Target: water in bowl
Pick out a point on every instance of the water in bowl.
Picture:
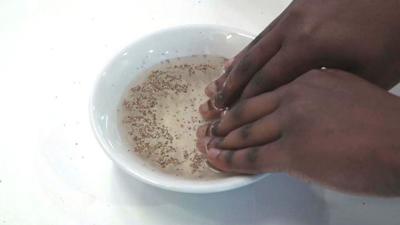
(159, 116)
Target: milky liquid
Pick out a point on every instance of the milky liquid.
(159, 116)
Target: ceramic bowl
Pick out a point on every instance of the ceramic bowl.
(126, 68)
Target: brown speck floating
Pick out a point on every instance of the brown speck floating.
(160, 115)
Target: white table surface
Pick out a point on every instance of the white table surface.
(52, 170)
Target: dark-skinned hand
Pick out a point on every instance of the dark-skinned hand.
(328, 126)
(359, 36)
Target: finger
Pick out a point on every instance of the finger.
(202, 144)
(252, 160)
(244, 51)
(212, 89)
(271, 26)
(208, 111)
(242, 72)
(216, 85)
(203, 130)
(245, 112)
(260, 132)
(242, 54)
(204, 136)
(228, 63)
(284, 67)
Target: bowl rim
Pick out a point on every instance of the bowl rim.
(203, 190)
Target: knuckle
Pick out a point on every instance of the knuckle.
(309, 35)
(228, 157)
(245, 131)
(252, 156)
(309, 31)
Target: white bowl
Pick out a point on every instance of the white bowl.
(126, 67)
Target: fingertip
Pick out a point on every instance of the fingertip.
(208, 111)
(202, 144)
(221, 80)
(206, 142)
(215, 142)
(228, 63)
(213, 153)
(211, 89)
(202, 131)
(199, 146)
(226, 95)
(219, 100)
(216, 161)
(205, 109)
(213, 168)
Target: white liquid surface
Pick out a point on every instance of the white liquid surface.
(159, 116)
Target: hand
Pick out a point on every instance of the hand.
(358, 36)
(327, 125)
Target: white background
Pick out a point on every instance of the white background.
(53, 172)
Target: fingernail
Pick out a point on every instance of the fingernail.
(214, 128)
(200, 147)
(208, 130)
(213, 153)
(202, 131)
(206, 142)
(211, 89)
(213, 168)
(205, 107)
(212, 106)
(215, 142)
(228, 63)
(219, 101)
(202, 144)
